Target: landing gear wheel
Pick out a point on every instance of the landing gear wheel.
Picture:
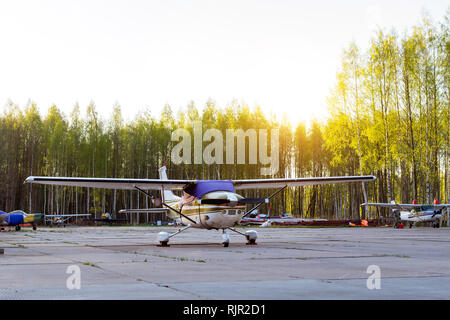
(17, 228)
(251, 236)
(34, 228)
(163, 238)
(225, 239)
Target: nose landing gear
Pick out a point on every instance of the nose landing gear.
(225, 239)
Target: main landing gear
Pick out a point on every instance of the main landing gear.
(163, 237)
(18, 228)
(250, 235)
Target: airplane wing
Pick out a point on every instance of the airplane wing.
(149, 210)
(407, 206)
(112, 183)
(385, 205)
(296, 182)
(157, 184)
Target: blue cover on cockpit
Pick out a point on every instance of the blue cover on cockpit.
(205, 186)
(14, 219)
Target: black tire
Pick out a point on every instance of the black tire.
(225, 244)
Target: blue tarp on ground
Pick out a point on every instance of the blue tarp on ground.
(205, 186)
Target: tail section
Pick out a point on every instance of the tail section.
(167, 195)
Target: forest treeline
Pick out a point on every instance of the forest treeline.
(388, 117)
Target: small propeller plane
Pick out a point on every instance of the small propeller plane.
(414, 213)
(206, 204)
(61, 219)
(106, 217)
(18, 218)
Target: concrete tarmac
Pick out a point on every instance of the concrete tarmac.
(287, 263)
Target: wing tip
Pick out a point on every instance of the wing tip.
(29, 180)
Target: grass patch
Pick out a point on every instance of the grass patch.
(179, 258)
(90, 264)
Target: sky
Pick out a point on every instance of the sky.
(281, 55)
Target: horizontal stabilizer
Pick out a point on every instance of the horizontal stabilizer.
(150, 210)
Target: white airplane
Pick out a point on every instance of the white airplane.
(206, 204)
(413, 213)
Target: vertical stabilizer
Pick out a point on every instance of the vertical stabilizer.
(167, 195)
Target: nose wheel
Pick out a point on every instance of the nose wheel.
(225, 239)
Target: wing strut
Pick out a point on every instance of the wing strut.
(266, 200)
(166, 205)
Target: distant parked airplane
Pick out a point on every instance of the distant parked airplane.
(18, 217)
(413, 213)
(60, 219)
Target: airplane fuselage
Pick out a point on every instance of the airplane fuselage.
(211, 216)
(17, 218)
(421, 216)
